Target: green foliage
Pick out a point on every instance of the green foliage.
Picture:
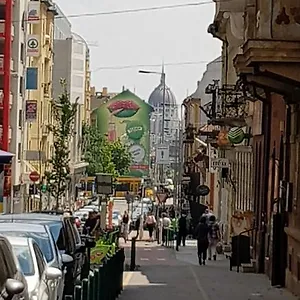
(104, 156)
(62, 129)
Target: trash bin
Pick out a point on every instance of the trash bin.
(240, 253)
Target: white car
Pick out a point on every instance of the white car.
(42, 281)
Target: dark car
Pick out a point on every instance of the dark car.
(64, 234)
(13, 284)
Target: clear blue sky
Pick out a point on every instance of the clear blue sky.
(145, 38)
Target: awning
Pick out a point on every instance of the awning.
(5, 157)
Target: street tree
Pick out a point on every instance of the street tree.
(62, 128)
(104, 156)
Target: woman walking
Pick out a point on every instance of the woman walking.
(150, 225)
(124, 226)
(201, 233)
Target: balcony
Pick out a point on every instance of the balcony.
(2, 64)
(270, 55)
(2, 30)
(2, 98)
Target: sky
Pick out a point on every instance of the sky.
(145, 38)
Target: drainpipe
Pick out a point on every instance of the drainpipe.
(7, 73)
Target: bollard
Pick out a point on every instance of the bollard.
(77, 292)
(97, 285)
(85, 289)
(92, 289)
(122, 268)
(101, 283)
(133, 254)
(104, 281)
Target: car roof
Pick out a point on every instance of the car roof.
(22, 227)
(19, 241)
(31, 216)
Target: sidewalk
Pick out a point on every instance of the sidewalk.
(166, 274)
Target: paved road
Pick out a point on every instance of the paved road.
(165, 274)
(120, 205)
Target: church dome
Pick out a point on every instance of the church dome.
(156, 97)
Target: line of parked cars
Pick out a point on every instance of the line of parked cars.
(42, 256)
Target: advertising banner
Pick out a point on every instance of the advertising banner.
(127, 117)
(33, 13)
(31, 111)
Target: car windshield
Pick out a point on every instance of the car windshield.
(24, 259)
(41, 238)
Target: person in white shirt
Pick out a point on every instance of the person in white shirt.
(166, 223)
(150, 224)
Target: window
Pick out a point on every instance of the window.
(78, 64)
(78, 47)
(77, 81)
(24, 259)
(22, 52)
(20, 118)
(40, 260)
(19, 151)
(21, 85)
(3, 268)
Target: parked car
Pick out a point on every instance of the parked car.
(13, 285)
(42, 280)
(42, 236)
(64, 235)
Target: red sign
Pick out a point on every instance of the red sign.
(162, 197)
(34, 176)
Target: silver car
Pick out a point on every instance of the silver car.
(42, 280)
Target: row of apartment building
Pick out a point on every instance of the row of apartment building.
(256, 90)
(37, 49)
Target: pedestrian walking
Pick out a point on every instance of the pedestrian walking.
(182, 231)
(201, 233)
(166, 222)
(213, 237)
(124, 225)
(150, 225)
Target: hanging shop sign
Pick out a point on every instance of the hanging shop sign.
(31, 111)
(33, 45)
(33, 13)
(236, 135)
(202, 190)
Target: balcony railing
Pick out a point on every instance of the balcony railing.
(2, 29)
(2, 64)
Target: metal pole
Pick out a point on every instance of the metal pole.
(163, 81)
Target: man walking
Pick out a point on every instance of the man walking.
(213, 237)
(201, 234)
(182, 231)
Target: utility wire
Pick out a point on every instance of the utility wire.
(126, 11)
(153, 65)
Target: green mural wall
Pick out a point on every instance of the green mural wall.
(127, 117)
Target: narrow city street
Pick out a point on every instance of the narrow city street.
(165, 274)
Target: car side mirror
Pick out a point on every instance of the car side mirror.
(53, 273)
(14, 287)
(66, 259)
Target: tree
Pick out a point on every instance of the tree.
(62, 129)
(121, 157)
(104, 156)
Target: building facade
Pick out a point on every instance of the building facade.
(37, 140)
(71, 62)
(267, 65)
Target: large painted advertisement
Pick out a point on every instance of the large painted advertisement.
(127, 117)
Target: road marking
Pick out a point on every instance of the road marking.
(161, 249)
(147, 249)
(199, 286)
(144, 258)
(161, 259)
(127, 278)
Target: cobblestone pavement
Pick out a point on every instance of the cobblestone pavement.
(166, 274)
